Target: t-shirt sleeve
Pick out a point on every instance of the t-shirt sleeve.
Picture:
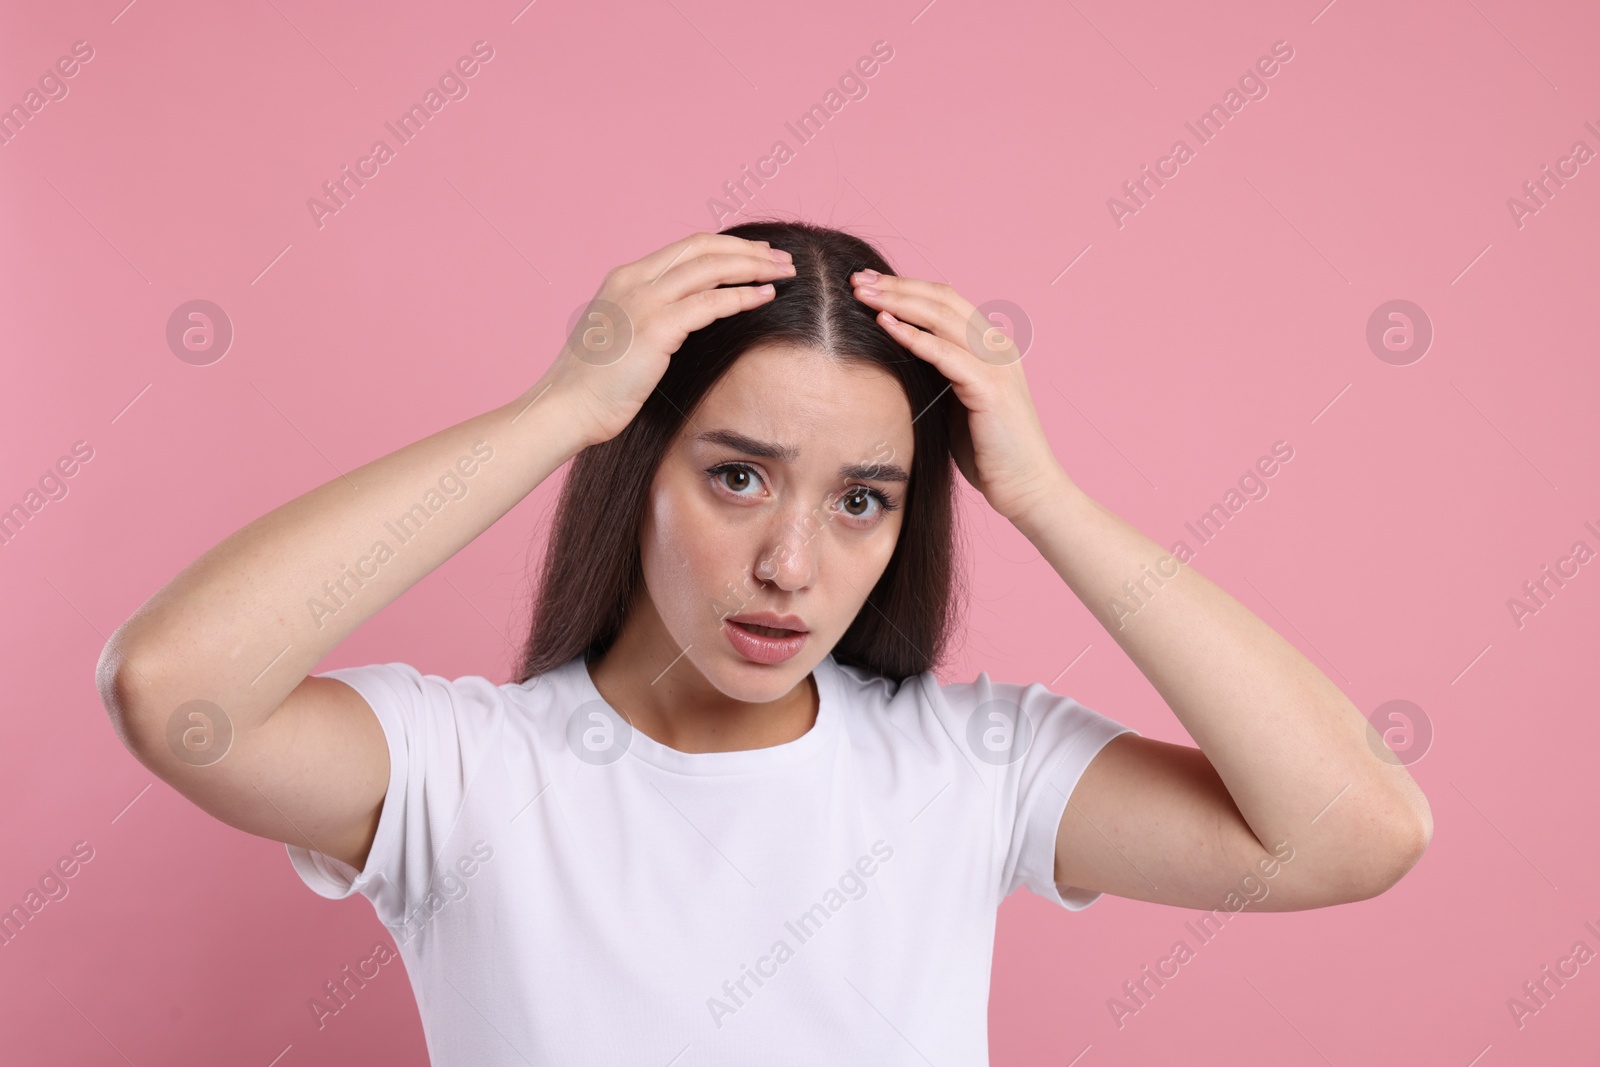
(1061, 737)
(418, 714)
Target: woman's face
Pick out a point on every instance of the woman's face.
(768, 501)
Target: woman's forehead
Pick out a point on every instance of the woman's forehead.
(791, 395)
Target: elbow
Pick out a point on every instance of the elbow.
(1413, 828)
(1405, 836)
(123, 688)
(112, 678)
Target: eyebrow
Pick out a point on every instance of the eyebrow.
(878, 472)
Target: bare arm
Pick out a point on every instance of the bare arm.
(1287, 770)
(226, 646)
(241, 627)
(1286, 762)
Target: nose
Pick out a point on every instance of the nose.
(788, 554)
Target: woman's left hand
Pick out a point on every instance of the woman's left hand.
(995, 434)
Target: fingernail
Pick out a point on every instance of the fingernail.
(782, 256)
(869, 275)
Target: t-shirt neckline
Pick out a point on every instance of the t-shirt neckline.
(742, 761)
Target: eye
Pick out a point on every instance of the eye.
(735, 477)
(743, 471)
(861, 496)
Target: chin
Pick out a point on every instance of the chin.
(754, 683)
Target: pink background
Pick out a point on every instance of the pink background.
(1230, 312)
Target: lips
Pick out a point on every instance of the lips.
(765, 638)
(766, 631)
(768, 624)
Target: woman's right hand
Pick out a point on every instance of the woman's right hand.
(640, 316)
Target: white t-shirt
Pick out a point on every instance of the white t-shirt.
(564, 889)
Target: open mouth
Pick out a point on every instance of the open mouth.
(764, 644)
(766, 631)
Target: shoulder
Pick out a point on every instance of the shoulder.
(400, 691)
(920, 706)
(1003, 724)
(867, 691)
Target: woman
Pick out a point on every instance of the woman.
(728, 814)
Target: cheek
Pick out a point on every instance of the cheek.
(877, 561)
(880, 546)
(688, 559)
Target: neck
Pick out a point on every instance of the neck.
(680, 708)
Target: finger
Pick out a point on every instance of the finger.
(930, 314)
(706, 306)
(709, 270)
(951, 360)
(937, 292)
(657, 263)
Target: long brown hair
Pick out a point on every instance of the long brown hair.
(591, 572)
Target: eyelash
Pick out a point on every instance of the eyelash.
(885, 505)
